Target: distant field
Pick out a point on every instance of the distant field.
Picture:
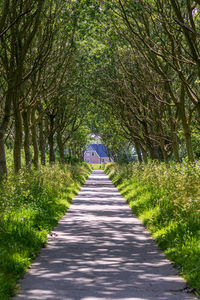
(97, 166)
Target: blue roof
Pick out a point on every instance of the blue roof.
(99, 148)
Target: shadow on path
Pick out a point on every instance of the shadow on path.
(100, 251)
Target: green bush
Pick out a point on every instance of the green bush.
(167, 200)
(30, 206)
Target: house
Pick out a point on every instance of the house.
(96, 154)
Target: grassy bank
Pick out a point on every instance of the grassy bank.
(167, 200)
(30, 206)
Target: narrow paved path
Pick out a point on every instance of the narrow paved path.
(100, 251)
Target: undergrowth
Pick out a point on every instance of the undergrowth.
(30, 206)
(167, 200)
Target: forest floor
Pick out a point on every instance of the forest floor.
(99, 250)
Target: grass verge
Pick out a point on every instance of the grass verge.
(167, 200)
(31, 204)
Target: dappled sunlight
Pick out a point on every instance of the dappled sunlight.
(100, 251)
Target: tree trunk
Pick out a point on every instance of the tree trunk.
(3, 168)
(186, 126)
(42, 143)
(149, 143)
(144, 155)
(188, 142)
(60, 148)
(173, 136)
(52, 157)
(34, 140)
(3, 127)
(175, 146)
(151, 153)
(137, 148)
(26, 123)
(164, 153)
(18, 139)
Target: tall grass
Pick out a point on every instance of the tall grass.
(167, 200)
(30, 206)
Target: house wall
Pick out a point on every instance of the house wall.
(95, 159)
(91, 159)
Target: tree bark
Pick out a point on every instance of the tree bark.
(60, 148)
(42, 143)
(175, 146)
(34, 140)
(151, 153)
(137, 148)
(187, 133)
(3, 168)
(164, 153)
(26, 123)
(144, 155)
(3, 127)
(52, 157)
(186, 125)
(173, 136)
(5, 121)
(18, 140)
